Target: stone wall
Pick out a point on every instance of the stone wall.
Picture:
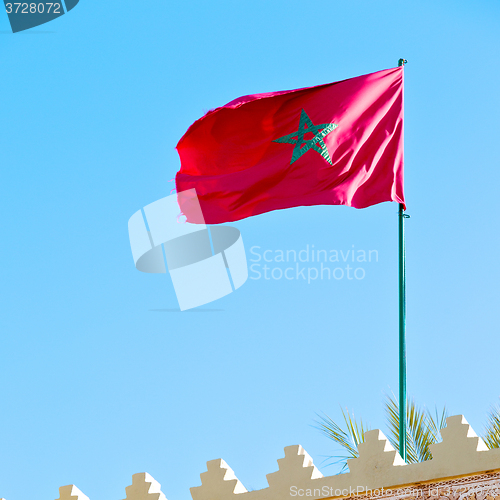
(462, 468)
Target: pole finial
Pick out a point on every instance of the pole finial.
(402, 62)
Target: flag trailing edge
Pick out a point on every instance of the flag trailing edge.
(339, 143)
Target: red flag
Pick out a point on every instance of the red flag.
(334, 144)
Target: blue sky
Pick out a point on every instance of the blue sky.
(96, 383)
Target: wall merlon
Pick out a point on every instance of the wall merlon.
(218, 482)
(297, 465)
(144, 487)
(71, 492)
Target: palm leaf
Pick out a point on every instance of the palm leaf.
(348, 439)
(492, 433)
(422, 429)
(438, 422)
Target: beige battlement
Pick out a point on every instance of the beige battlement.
(461, 453)
(143, 487)
(462, 468)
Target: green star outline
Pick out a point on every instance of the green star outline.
(303, 146)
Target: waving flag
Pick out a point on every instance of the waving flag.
(335, 144)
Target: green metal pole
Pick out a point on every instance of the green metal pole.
(402, 335)
(402, 326)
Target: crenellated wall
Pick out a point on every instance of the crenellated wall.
(462, 468)
(461, 453)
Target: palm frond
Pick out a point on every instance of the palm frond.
(492, 432)
(392, 413)
(422, 429)
(438, 421)
(348, 439)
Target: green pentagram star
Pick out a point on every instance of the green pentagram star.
(317, 143)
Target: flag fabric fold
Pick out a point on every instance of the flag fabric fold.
(335, 144)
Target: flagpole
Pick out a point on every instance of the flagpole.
(402, 334)
(402, 325)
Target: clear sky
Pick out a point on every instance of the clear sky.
(100, 379)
